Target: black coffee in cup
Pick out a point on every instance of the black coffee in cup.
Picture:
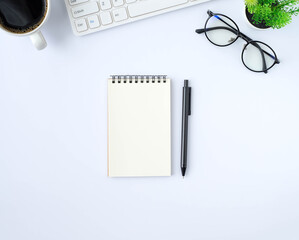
(22, 16)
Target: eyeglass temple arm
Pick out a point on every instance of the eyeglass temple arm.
(202, 30)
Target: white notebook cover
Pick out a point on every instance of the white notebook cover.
(139, 126)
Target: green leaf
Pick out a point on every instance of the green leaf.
(274, 13)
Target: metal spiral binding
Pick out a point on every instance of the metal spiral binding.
(139, 78)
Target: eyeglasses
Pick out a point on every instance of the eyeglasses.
(222, 31)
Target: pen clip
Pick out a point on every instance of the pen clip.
(189, 101)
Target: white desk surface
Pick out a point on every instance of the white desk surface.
(242, 180)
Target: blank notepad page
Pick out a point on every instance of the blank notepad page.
(139, 126)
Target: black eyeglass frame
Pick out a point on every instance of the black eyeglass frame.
(238, 35)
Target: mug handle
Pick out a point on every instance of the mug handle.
(38, 40)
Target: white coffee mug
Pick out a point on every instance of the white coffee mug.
(35, 34)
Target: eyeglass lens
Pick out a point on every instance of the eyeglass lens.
(221, 31)
(253, 55)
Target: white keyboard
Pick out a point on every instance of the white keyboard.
(88, 16)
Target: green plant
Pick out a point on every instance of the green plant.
(273, 13)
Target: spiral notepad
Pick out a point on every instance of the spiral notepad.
(139, 126)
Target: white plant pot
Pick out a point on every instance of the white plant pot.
(250, 24)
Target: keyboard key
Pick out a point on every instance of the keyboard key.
(74, 2)
(81, 25)
(117, 3)
(145, 7)
(130, 1)
(85, 9)
(105, 4)
(106, 18)
(93, 21)
(120, 14)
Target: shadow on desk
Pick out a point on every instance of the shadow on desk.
(58, 30)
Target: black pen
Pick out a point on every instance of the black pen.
(185, 114)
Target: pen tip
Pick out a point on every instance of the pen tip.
(183, 171)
